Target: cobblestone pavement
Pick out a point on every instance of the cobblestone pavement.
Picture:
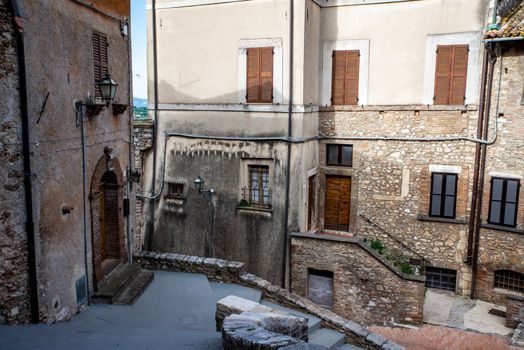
(443, 338)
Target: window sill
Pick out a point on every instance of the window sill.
(263, 211)
(502, 228)
(443, 220)
(510, 293)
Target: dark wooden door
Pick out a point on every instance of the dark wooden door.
(102, 223)
(311, 201)
(337, 203)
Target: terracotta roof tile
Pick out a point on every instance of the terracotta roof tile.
(512, 25)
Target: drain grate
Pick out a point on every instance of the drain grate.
(497, 312)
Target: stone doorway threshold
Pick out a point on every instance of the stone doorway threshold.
(445, 308)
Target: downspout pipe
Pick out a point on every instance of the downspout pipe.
(482, 166)
(30, 225)
(150, 229)
(286, 242)
(480, 124)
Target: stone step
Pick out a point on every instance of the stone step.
(222, 290)
(116, 283)
(350, 347)
(312, 321)
(135, 288)
(328, 338)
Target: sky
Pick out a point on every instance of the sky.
(139, 48)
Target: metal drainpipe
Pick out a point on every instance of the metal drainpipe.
(84, 199)
(30, 225)
(480, 187)
(474, 199)
(150, 230)
(285, 262)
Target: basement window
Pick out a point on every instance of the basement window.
(509, 280)
(440, 278)
(320, 287)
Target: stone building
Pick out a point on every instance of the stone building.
(65, 155)
(338, 124)
(500, 268)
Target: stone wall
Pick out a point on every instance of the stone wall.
(365, 288)
(143, 139)
(502, 248)
(234, 272)
(14, 291)
(514, 310)
(391, 179)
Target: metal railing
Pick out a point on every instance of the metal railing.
(260, 197)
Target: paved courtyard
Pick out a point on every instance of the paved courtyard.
(177, 311)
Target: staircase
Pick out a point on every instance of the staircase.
(325, 337)
(123, 286)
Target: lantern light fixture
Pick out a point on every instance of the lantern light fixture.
(107, 88)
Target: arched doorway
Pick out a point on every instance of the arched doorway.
(107, 220)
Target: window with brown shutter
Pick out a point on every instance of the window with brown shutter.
(344, 88)
(450, 74)
(259, 75)
(100, 58)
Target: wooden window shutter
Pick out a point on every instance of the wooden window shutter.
(100, 58)
(459, 74)
(259, 75)
(266, 75)
(352, 68)
(345, 75)
(450, 74)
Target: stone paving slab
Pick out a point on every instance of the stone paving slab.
(448, 309)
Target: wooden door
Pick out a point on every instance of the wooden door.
(311, 201)
(337, 203)
(102, 225)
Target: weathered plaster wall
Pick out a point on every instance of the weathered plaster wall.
(365, 291)
(501, 249)
(14, 293)
(60, 65)
(398, 62)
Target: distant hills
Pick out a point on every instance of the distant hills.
(139, 108)
(139, 102)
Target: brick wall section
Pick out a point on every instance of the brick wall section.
(514, 310)
(502, 249)
(234, 272)
(391, 180)
(365, 289)
(14, 291)
(143, 139)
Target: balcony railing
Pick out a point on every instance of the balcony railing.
(259, 197)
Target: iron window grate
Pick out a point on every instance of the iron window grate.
(510, 280)
(441, 278)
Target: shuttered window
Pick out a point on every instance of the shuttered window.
(100, 58)
(450, 74)
(503, 203)
(443, 195)
(344, 88)
(259, 75)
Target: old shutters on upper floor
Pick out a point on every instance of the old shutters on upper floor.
(450, 74)
(100, 58)
(259, 75)
(337, 203)
(344, 87)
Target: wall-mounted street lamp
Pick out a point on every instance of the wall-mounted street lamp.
(199, 183)
(107, 89)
